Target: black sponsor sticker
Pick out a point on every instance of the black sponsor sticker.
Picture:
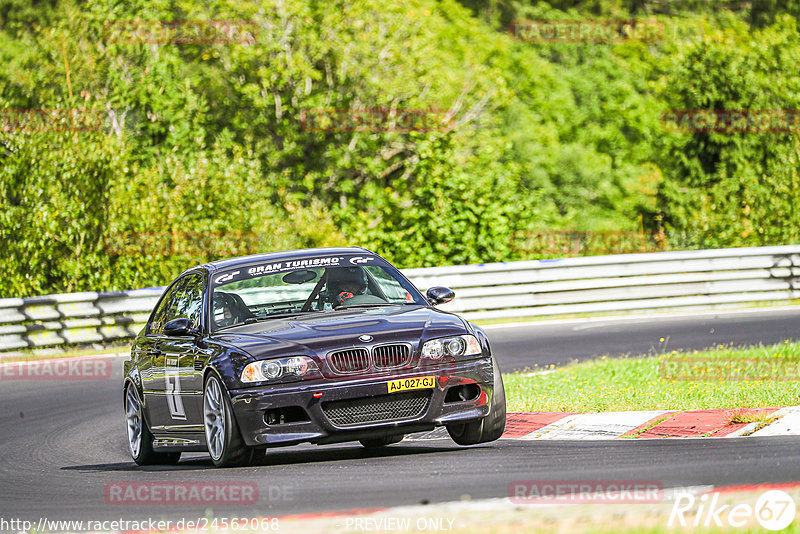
(280, 267)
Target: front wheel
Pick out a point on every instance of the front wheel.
(490, 427)
(140, 439)
(223, 439)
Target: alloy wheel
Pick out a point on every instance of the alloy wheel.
(214, 416)
(133, 417)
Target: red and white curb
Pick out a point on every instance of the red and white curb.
(722, 423)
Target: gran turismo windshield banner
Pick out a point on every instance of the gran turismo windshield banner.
(272, 267)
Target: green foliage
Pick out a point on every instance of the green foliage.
(201, 151)
(734, 188)
(55, 191)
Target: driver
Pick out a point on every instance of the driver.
(345, 283)
(225, 303)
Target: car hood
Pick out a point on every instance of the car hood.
(323, 332)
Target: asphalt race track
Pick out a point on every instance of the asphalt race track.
(62, 442)
(567, 341)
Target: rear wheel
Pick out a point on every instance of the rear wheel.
(140, 439)
(374, 443)
(223, 439)
(490, 427)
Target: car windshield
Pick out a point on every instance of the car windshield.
(241, 297)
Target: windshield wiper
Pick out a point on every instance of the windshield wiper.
(370, 305)
(252, 320)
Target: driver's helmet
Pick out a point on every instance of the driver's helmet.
(346, 282)
(225, 308)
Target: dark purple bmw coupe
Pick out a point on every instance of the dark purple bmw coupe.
(321, 346)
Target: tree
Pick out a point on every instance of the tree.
(734, 188)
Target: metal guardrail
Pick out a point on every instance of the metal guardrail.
(74, 318)
(627, 282)
(598, 284)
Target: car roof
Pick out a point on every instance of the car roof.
(308, 253)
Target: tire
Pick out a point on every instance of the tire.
(140, 439)
(490, 427)
(223, 439)
(375, 443)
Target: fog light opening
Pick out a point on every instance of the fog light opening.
(282, 416)
(464, 393)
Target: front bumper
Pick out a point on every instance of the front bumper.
(251, 405)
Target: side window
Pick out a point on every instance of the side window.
(188, 301)
(158, 322)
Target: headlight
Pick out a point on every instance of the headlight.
(436, 349)
(266, 370)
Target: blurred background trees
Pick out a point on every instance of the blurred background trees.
(200, 151)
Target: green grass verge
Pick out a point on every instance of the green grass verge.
(720, 378)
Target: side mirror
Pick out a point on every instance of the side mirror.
(440, 295)
(179, 327)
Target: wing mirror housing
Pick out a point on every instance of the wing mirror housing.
(179, 327)
(440, 295)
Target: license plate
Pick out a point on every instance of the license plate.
(419, 382)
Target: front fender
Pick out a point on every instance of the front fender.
(483, 339)
(228, 365)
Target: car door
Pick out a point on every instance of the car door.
(151, 358)
(182, 402)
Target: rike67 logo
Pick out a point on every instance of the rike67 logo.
(773, 510)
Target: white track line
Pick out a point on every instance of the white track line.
(745, 430)
(591, 426)
(787, 425)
